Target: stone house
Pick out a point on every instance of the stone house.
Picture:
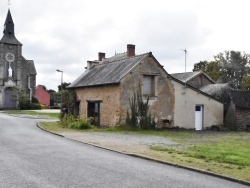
(238, 114)
(42, 95)
(15, 70)
(106, 87)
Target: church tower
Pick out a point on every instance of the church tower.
(16, 73)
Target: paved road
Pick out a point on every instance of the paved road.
(30, 157)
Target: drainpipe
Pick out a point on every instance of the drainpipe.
(29, 88)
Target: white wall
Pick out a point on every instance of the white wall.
(184, 109)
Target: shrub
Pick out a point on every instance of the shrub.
(69, 121)
(34, 100)
(35, 106)
(217, 128)
(140, 117)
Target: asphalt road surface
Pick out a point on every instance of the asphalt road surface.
(32, 158)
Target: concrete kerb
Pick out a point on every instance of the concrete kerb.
(244, 182)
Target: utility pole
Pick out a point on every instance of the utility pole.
(185, 58)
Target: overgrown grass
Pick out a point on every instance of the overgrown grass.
(230, 150)
(164, 133)
(36, 113)
(53, 127)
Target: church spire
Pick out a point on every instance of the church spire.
(9, 31)
(9, 25)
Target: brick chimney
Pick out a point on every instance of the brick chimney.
(130, 50)
(101, 56)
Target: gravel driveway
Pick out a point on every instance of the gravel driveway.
(122, 142)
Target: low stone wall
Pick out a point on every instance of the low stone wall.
(242, 118)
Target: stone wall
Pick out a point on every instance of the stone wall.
(230, 119)
(161, 107)
(110, 105)
(242, 118)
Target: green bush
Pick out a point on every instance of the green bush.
(69, 121)
(42, 106)
(25, 103)
(35, 106)
(34, 100)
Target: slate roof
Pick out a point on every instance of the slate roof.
(214, 89)
(109, 71)
(240, 98)
(187, 76)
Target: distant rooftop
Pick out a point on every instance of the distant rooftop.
(187, 76)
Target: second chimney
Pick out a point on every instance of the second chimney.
(130, 50)
(101, 56)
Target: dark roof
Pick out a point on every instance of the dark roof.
(214, 89)
(240, 98)
(109, 71)
(187, 76)
(9, 31)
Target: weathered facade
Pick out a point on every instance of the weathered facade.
(15, 70)
(195, 109)
(105, 89)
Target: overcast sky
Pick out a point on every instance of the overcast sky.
(64, 34)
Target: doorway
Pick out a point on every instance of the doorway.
(9, 102)
(198, 117)
(94, 112)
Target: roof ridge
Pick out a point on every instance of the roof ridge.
(108, 62)
(125, 58)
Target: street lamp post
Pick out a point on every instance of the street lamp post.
(61, 89)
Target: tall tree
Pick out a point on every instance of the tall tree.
(228, 67)
(202, 65)
(212, 69)
(233, 67)
(63, 86)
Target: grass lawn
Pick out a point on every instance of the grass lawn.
(35, 113)
(222, 153)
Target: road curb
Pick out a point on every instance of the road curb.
(244, 182)
(38, 125)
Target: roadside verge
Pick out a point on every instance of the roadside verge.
(116, 147)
